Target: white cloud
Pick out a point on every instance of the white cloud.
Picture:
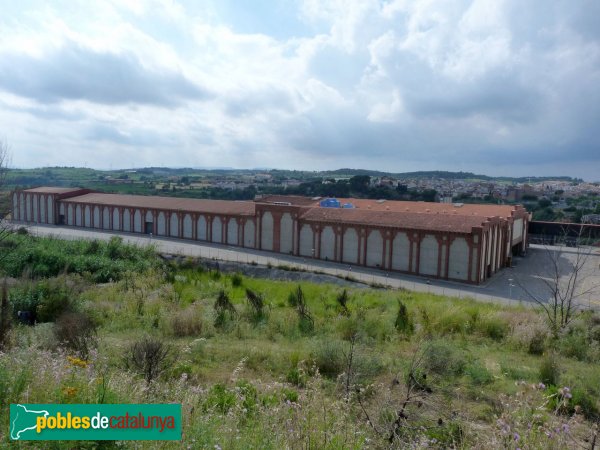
(388, 85)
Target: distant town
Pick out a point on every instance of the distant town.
(555, 199)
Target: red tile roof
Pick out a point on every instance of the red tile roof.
(408, 220)
(431, 208)
(52, 190)
(167, 203)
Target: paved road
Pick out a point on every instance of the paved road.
(508, 286)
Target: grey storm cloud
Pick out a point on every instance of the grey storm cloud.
(77, 73)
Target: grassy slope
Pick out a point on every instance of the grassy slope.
(253, 384)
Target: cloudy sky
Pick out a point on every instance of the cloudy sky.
(502, 87)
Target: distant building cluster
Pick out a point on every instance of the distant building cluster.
(453, 241)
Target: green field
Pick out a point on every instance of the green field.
(319, 369)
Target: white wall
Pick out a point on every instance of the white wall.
(517, 233)
(428, 259)
(161, 224)
(400, 252)
(350, 246)
(232, 232)
(105, 218)
(126, 220)
(458, 264)
(217, 230)
(187, 227)
(286, 233)
(43, 209)
(22, 207)
(474, 264)
(249, 231)
(328, 243)
(70, 215)
(78, 215)
(96, 217)
(306, 240)
(201, 231)
(174, 225)
(15, 204)
(137, 221)
(50, 204)
(116, 220)
(35, 208)
(266, 235)
(374, 249)
(28, 208)
(87, 216)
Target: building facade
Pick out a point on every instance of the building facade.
(461, 242)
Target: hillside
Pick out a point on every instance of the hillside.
(258, 363)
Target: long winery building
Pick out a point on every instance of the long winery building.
(461, 242)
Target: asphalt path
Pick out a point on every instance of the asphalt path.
(518, 284)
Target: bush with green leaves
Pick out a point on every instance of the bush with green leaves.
(296, 298)
(478, 374)
(256, 303)
(537, 342)
(45, 300)
(328, 356)
(224, 309)
(444, 358)
(404, 323)
(342, 300)
(549, 370)
(236, 280)
(44, 257)
(76, 331)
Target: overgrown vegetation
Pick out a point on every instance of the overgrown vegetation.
(369, 369)
(98, 261)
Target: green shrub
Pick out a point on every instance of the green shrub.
(224, 309)
(537, 343)
(329, 358)
(54, 303)
(447, 435)
(478, 374)
(296, 376)
(549, 370)
(404, 323)
(236, 280)
(350, 328)
(76, 331)
(220, 399)
(574, 345)
(297, 299)
(342, 300)
(256, 303)
(443, 358)
(102, 261)
(493, 328)
(248, 394)
(187, 322)
(290, 395)
(586, 403)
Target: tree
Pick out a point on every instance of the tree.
(360, 183)
(564, 279)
